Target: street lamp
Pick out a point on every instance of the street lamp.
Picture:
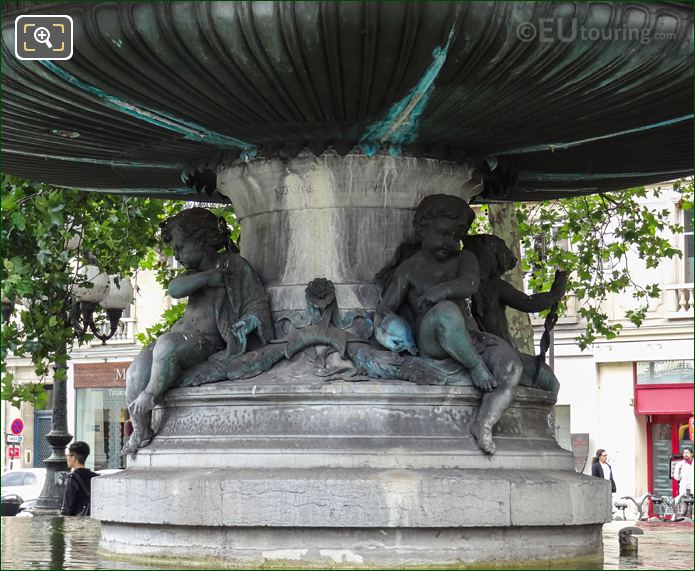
(112, 294)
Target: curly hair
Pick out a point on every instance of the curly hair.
(442, 205)
(430, 207)
(200, 223)
(494, 256)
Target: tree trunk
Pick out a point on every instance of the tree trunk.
(503, 223)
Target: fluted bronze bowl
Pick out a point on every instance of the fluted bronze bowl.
(545, 99)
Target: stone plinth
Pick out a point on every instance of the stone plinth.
(359, 474)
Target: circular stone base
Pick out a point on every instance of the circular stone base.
(335, 548)
(359, 474)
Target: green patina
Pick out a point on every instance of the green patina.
(187, 129)
(402, 120)
(567, 145)
(95, 161)
(530, 175)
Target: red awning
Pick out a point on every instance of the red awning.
(664, 399)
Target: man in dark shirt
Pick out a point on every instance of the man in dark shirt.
(77, 498)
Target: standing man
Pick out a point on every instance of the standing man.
(684, 474)
(602, 469)
(77, 499)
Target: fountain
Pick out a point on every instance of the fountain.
(325, 125)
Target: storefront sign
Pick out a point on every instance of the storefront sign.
(100, 375)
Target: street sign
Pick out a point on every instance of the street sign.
(14, 438)
(14, 451)
(17, 426)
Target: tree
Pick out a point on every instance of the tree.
(39, 271)
(591, 237)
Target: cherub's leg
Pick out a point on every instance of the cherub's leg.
(505, 364)
(137, 377)
(443, 334)
(173, 352)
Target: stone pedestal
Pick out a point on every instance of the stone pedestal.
(359, 474)
(292, 469)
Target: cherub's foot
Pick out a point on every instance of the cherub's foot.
(138, 439)
(144, 403)
(482, 377)
(483, 436)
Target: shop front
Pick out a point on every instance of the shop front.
(664, 393)
(100, 411)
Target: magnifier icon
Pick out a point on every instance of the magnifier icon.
(43, 36)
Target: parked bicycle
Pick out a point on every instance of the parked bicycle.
(639, 505)
(665, 508)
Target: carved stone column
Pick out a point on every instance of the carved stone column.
(336, 217)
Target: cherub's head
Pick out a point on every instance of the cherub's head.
(195, 232)
(494, 257)
(441, 221)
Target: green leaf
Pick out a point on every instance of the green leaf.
(37, 221)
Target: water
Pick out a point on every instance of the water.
(71, 543)
(663, 546)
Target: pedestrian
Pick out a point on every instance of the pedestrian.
(77, 498)
(602, 469)
(684, 474)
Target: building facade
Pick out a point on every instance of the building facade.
(633, 395)
(96, 388)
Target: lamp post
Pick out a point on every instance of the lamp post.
(113, 295)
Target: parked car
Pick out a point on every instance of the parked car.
(25, 484)
(18, 499)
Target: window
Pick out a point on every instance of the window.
(30, 479)
(664, 372)
(611, 262)
(540, 244)
(562, 426)
(100, 422)
(661, 455)
(688, 264)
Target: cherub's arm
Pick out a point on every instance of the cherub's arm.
(394, 296)
(190, 282)
(465, 284)
(512, 297)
